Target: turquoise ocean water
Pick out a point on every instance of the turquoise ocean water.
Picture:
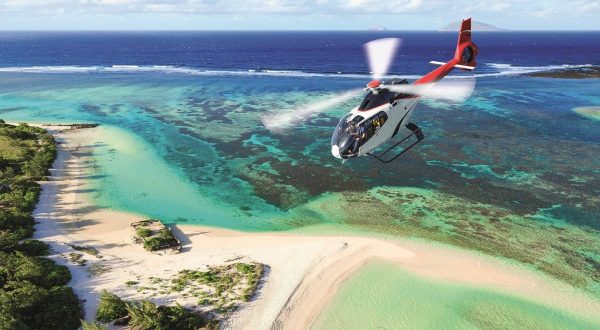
(192, 149)
(410, 302)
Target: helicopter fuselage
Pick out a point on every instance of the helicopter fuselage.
(383, 113)
(364, 129)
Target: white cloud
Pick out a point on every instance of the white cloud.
(370, 6)
(500, 6)
(587, 7)
(213, 6)
(400, 13)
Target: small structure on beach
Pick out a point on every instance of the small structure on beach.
(154, 235)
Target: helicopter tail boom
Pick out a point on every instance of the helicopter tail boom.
(464, 56)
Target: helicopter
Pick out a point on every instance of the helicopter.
(388, 105)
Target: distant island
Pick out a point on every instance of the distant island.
(475, 26)
(583, 72)
(377, 28)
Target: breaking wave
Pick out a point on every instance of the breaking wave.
(489, 70)
(503, 69)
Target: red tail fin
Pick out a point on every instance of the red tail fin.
(464, 57)
(466, 50)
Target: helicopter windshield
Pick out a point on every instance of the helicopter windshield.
(347, 135)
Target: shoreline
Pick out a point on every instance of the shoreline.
(303, 271)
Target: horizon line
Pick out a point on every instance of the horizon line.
(285, 30)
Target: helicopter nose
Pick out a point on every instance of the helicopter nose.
(335, 151)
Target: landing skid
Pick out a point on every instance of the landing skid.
(416, 131)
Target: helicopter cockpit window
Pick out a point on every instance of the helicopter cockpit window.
(372, 125)
(374, 100)
(382, 118)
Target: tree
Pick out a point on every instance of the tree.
(146, 315)
(39, 271)
(17, 222)
(34, 169)
(33, 248)
(60, 311)
(8, 240)
(24, 298)
(39, 308)
(33, 291)
(9, 321)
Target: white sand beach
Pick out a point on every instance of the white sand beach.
(303, 271)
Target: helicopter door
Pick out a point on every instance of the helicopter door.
(372, 125)
(379, 119)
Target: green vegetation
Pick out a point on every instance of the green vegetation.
(219, 289)
(33, 290)
(92, 326)
(155, 236)
(143, 232)
(111, 307)
(77, 258)
(34, 248)
(87, 249)
(152, 244)
(146, 315)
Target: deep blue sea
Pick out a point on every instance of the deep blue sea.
(300, 52)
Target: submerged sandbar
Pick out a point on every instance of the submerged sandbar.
(382, 295)
(591, 112)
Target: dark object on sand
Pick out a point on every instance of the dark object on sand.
(76, 125)
(154, 235)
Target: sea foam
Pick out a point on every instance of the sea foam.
(497, 69)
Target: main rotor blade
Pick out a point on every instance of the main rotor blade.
(454, 90)
(380, 54)
(287, 119)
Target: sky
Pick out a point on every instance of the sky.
(293, 14)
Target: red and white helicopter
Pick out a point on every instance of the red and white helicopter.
(388, 105)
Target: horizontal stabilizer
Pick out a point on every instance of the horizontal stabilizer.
(464, 56)
(437, 63)
(460, 66)
(466, 67)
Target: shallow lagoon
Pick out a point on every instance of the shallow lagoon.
(382, 296)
